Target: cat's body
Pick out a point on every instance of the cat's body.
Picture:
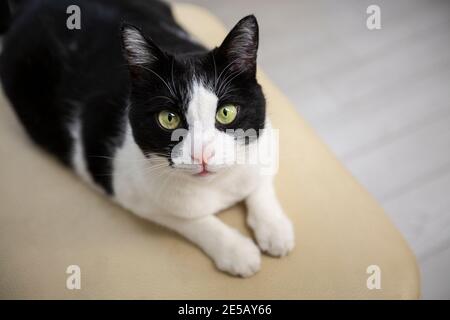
(107, 102)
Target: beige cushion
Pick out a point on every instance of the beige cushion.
(50, 220)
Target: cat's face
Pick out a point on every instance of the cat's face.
(199, 111)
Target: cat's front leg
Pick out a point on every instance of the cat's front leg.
(231, 251)
(273, 229)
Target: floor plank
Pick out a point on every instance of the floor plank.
(435, 274)
(359, 129)
(422, 216)
(399, 165)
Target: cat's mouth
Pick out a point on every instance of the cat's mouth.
(204, 170)
(204, 173)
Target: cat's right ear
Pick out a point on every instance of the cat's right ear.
(140, 52)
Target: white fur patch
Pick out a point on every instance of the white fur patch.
(203, 140)
(202, 108)
(78, 156)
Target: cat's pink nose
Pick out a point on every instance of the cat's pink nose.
(207, 154)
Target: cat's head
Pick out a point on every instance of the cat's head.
(197, 111)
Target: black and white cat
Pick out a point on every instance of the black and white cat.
(108, 100)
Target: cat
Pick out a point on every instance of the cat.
(107, 99)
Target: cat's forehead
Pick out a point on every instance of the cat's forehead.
(195, 69)
(202, 105)
(194, 82)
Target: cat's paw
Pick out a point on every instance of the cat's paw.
(238, 256)
(275, 235)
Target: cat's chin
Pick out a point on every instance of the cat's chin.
(201, 174)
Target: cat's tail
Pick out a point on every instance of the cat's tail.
(8, 10)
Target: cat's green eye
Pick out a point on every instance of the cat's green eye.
(226, 114)
(169, 120)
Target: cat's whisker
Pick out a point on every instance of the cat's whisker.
(125, 171)
(171, 74)
(154, 169)
(215, 70)
(166, 181)
(164, 172)
(228, 80)
(160, 78)
(171, 100)
(226, 68)
(159, 157)
(227, 93)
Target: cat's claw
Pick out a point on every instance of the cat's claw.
(274, 236)
(239, 256)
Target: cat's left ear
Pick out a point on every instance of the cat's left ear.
(240, 47)
(139, 51)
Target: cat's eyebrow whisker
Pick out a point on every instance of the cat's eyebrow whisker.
(160, 78)
(226, 68)
(227, 80)
(226, 94)
(171, 73)
(224, 84)
(162, 97)
(215, 70)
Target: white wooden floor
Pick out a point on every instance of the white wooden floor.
(380, 99)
